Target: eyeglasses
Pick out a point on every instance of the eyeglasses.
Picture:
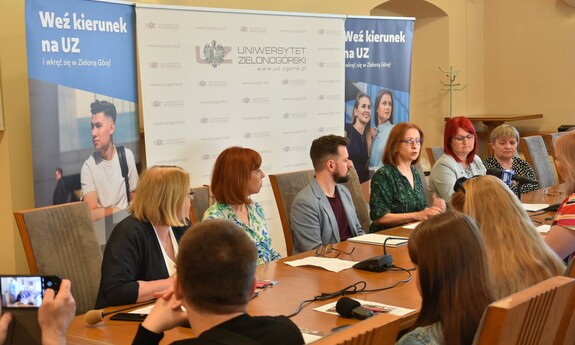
(324, 249)
(461, 137)
(412, 141)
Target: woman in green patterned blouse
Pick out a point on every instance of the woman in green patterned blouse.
(397, 195)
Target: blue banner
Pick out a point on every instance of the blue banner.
(85, 45)
(79, 53)
(378, 78)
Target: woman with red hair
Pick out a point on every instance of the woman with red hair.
(459, 158)
(236, 176)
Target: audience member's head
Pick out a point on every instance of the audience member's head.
(453, 275)
(163, 196)
(565, 153)
(216, 267)
(232, 173)
(395, 142)
(326, 148)
(459, 138)
(518, 256)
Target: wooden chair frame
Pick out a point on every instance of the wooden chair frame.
(380, 329)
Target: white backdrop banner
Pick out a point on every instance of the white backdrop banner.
(215, 79)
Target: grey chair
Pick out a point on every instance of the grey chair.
(286, 186)
(433, 154)
(554, 137)
(201, 201)
(427, 193)
(60, 240)
(537, 156)
(361, 207)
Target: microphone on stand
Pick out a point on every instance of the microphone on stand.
(93, 317)
(351, 308)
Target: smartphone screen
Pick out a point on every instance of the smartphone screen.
(26, 291)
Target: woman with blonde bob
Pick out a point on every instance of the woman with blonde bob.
(453, 277)
(140, 255)
(518, 256)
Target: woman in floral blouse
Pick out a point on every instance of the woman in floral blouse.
(397, 195)
(236, 176)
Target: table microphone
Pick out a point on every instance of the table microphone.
(93, 317)
(519, 178)
(351, 308)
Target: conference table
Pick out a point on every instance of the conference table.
(296, 284)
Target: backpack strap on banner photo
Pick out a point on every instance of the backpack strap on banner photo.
(124, 166)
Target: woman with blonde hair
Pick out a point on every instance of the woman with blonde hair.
(140, 255)
(453, 277)
(561, 237)
(518, 256)
(504, 140)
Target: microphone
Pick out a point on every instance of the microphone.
(380, 263)
(93, 317)
(351, 308)
(519, 178)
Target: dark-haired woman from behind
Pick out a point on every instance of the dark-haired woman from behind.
(453, 278)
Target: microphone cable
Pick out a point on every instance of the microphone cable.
(353, 289)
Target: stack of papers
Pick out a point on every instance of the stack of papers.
(379, 239)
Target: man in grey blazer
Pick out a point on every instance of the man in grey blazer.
(323, 212)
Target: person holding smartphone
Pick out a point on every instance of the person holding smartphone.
(54, 315)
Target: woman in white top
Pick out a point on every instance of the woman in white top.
(141, 253)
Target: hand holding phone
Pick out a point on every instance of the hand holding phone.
(25, 291)
(56, 313)
(21, 297)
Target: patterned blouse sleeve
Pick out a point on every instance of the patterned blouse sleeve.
(380, 195)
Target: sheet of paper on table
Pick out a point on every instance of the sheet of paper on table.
(309, 336)
(411, 226)
(330, 264)
(378, 239)
(534, 207)
(543, 229)
(144, 310)
(385, 308)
